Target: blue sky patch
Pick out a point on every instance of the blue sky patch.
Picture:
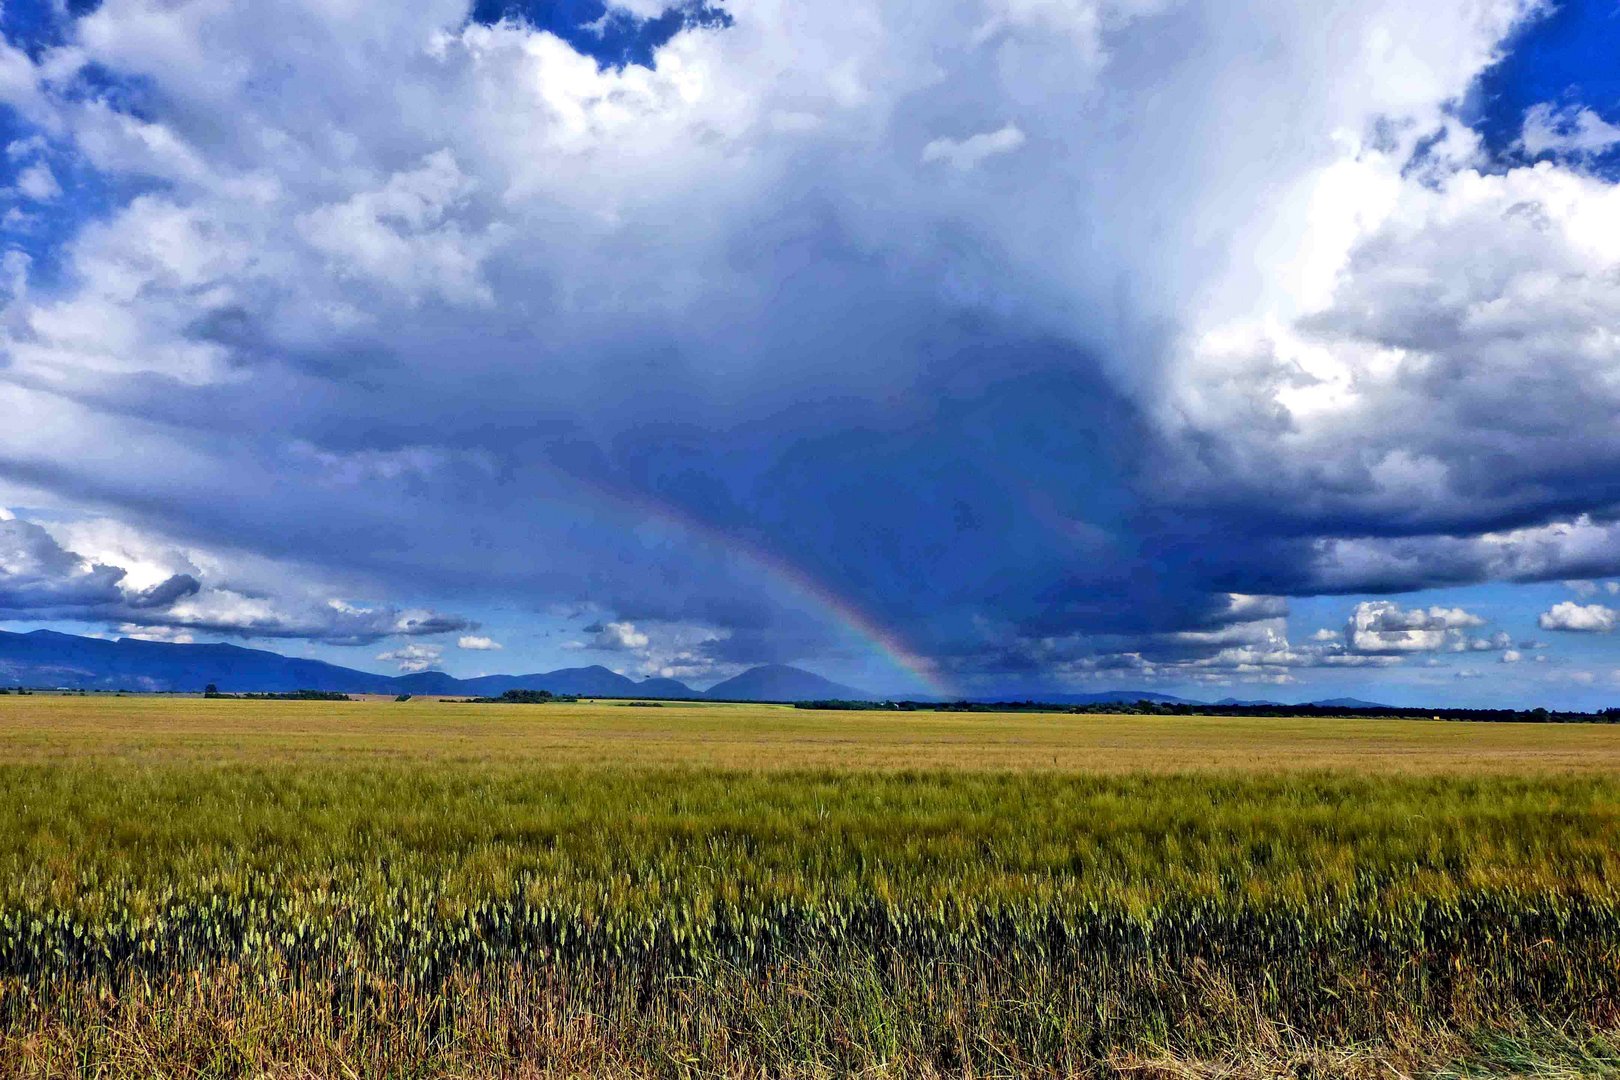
(612, 37)
(1568, 58)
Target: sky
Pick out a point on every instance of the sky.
(1223, 348)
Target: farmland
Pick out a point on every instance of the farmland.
(377, 888)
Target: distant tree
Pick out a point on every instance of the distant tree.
(295, 695)
(527, 697)
(521, 697)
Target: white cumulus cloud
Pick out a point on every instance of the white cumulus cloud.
(1383, 626)
(1579, 618)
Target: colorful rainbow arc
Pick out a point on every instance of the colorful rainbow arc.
(846, 614)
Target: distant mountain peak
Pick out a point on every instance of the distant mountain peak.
(1347, 703)
(782, 682)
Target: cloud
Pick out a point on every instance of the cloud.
(1256, 650)
(478, 644)
(166, 592)
(1378, 634)
(1356, 405)
(1570, 130)
(38, 576)
(226, 611)
(1579, 618)
(37, 182)
(615, 636)
(404, 235)
(160, 590)
(676, 649)
(1534, 553)
(966, 154)
(762, 369)
(413, 657)
(156, 633)
(1383, 626)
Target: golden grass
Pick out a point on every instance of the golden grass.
(167, 730)
(195, 887)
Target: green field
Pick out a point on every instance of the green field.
(206, 888)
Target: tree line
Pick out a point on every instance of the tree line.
(1164, 708)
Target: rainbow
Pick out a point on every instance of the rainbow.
(885, 642)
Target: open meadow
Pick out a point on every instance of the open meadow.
(239, 888)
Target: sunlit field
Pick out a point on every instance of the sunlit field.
(239, 888)
(171, 730)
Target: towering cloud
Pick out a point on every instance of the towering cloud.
(993, 334)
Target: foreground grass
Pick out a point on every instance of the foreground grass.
(309, 906)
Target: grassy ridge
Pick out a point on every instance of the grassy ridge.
(338, 911)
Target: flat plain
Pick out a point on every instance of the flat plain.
(201, 887)
(172, 730)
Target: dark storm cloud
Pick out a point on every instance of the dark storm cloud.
(37, 575)
(800, 331)
(165, 592)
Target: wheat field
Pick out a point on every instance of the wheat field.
(247, 888)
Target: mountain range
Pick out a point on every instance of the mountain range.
(46, 658)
